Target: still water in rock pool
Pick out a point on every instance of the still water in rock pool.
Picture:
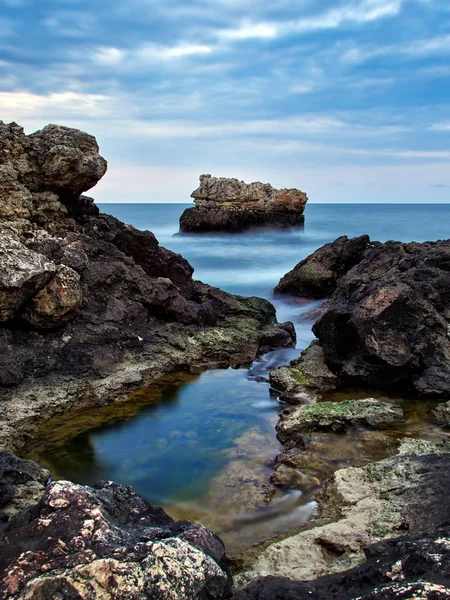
(203, 446)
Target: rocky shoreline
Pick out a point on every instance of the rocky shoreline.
(91, 309)
(223, 204)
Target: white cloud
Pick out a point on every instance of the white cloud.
(248, 31)
(108, 56)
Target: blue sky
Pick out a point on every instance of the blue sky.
(348, 100)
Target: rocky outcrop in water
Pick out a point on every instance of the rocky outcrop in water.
(223, 204)
(85, 543)
(317, 275)
(387, 321)
(90, 307)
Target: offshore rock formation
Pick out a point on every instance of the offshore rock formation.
(91, 308)
(83, 543)
(387, 321)
(223, 204)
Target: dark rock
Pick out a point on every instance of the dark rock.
(387, 323)
(231, 205)
(108, 542)
(22, 484)
(316, 276)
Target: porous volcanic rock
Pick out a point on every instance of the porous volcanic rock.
(316, 276)
(223, 204)
(107, 542)
(92, 308)
(387, 323)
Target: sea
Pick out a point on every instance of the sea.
(205, 447)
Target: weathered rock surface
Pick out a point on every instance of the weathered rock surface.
(441, 412)
(93, 308)
(308, 374)
(22, 484)
(336, 416)
(405, 493)
(107, 542)
(316, 276)
(223, 204)
(387, 323)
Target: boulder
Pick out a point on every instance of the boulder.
(22, 484)
(23, 273)
(107, 542)
(441, 412)
(336, 417)
(316, 276)
(223, 204)
(387, 323)
(56, 303)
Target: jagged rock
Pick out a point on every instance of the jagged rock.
(405, 493)
(316, 276)
(22, 484)
(22, 274)
(57, 302)
(107, 542)
(305, 375)
(336, 416)
(387, 323)
(223, 204)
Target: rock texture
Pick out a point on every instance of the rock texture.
(304, 377)
(90, 307)
(223, 204)
(107, 542)
(316, 276)
(408, 493)
(387, 323)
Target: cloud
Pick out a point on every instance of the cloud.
(249, 31)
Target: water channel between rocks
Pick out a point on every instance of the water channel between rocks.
(203, 446)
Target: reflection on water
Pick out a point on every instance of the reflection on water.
(204, 446)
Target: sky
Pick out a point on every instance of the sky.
(348, 100)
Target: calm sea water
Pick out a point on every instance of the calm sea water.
(206, 447)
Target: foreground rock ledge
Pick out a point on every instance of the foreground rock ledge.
(223, 204)
(92, 308)
(82, 543)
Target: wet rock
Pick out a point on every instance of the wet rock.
(337, 416)
(387, 322)
(404, 493)
(223, 204)
(307, 374)
(108, 542)
(442, 412)
(22, 484)
(316, 276)
(57, 302)
(22, 274)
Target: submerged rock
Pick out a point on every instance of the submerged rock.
(108, 542)
(223, 204)
(316, 276)
(93, 308)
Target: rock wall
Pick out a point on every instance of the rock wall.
(223, 204)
